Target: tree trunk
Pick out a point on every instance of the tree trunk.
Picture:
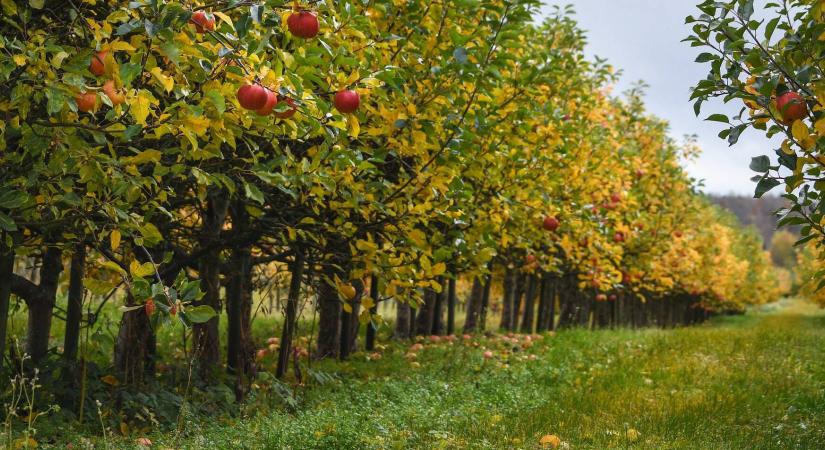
(451, 300)
(485, 300)
(40, 310)
(240, 350)
(473, 305)
(329, 318)
(438, 309)
(291, 316)
(350, 323)
(402, 320)
(529, 306)
(74, 309)
(372, 329)
(426, 313)
(542, 308)
(206, 335)
(6, 272)
(507, 301)
(135, 345)
(520, 280)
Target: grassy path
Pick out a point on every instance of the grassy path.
(753, 382)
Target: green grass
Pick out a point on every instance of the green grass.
(747, 382)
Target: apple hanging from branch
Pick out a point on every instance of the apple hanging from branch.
(303, 24)
(252, 96)
(347, 101)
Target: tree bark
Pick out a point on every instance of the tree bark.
(6, 275)
(473, 305)
(74, 309)
(520, 280)
(426, 313)
(529, 306)
(291, 316)
(485, 301)
(206, 335)
(372, 329)
(329, 319)
(451, 300)
(509, 286)
(438, 309)
(240, 350)
(402, 320)
(40, 310)
(134, 347)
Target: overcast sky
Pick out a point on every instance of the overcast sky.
(642, 38)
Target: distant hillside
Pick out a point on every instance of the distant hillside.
(753, 211)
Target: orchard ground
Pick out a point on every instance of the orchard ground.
(741, 382)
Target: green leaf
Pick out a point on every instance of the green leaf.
(718, 118)
(760, 164)
(7, 223)
(37, 4)
(764, 186)
(253, 193)
(200, 314)
(151, 234)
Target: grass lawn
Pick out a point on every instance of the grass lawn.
(747, 382)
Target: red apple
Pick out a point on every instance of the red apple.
(303, 24)
(792, 106)
(488, 354)
(530, 260)
(612, 297)
(347, 101)
(601, 298)
(203, 21)
(678, 234)
(252, 96)
(271, 101)
(86, 101)
(114, 96)
(618, 237)
(551, 223)
(96, 66)
(289, 112)
(616, 197)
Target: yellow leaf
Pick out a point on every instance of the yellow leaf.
(144, 157)
(166, 81)
(438, 269)
(141, 270)
(114, 239)
(347, 308)
(228, 20)
(800, 131)
(367, 302)
(121, 46)
(20, 60)
(111, 380)
(197, 124)
(141, 106)
(124, 429)
(354, 126)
